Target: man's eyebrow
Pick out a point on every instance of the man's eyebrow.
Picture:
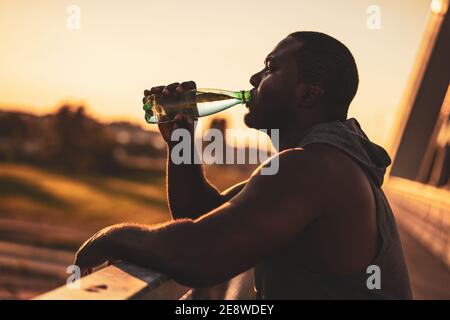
(270, 57)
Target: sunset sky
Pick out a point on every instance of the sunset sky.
(123, 47)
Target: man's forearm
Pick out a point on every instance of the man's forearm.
(189, 193)
(168, 249)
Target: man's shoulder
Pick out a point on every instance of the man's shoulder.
(309, 163)
(301, 184)
(329, 170)
(294, 171)
(315, 169)
(319, 158)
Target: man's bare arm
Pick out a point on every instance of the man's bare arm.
(265, 216)
(189, 193)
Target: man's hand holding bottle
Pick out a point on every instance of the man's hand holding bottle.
(180, 121)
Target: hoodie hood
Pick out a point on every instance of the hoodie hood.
(349, 137)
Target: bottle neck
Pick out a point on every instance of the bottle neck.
(243, 95)
(246, 96)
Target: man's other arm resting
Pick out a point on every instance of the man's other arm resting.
(265, 216)
(190, 194)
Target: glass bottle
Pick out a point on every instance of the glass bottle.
(193, 103)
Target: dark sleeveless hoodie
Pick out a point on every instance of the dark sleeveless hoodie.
(279, 277)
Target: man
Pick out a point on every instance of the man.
(310, 231)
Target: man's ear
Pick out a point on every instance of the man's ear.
(309, 95)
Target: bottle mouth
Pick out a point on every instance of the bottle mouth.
(148, 106)
(246, 96)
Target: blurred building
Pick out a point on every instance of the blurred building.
(418, 185)
(420, 143)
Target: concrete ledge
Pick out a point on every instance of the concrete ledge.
(424, 212)
(122, 281)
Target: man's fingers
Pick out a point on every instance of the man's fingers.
(187, 85)
(179, 117)
(113, 261)
(153, 90)
(145, 99)
(80, 263)
(169, 88)
(86, 271)
(181, 121)
(157, 89)
(184, 122)
(176, 86)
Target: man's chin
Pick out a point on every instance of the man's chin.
(249, 120)
(253, 121)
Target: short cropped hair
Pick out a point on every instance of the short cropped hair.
(326, 61)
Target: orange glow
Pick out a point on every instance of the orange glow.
(123, 48)
(439, 6)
